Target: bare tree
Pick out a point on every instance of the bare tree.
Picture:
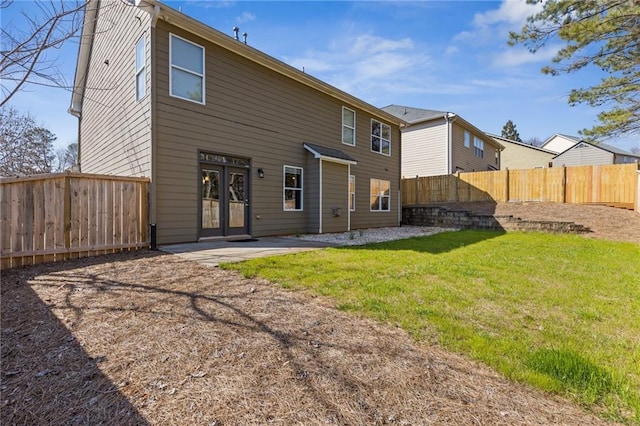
(67, 157)
(28, 47)
(635, 150)
(25, 147)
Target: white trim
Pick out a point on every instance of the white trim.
(172, 66)
(143, 67)
(284, 188)
(343, 126)
(349, 196)
(371, 135)
(320, 199)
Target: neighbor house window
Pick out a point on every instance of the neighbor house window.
(467, 139)
(141, 74)
(187, 70)
(380, 137)
(292, 188)
(380, 195)
(478, 147)
(348, 126)
(352, 192)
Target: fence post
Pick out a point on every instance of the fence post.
(564, 184)
(67, 216)
(416, 192)
(506, 186)
(456, 181)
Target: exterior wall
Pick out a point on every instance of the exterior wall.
(516, 156)
(312, 194)
(256, 113)
(115, 129)
(424, 149)
(558, 144)
(335, 193)
(583, 154)
(464, 159)
(625, 159)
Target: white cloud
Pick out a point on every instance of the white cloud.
(513, 57)
(246, 17)
(512, 12)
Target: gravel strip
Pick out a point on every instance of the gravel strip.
(374, 235)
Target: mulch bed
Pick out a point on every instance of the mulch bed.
(148, 338)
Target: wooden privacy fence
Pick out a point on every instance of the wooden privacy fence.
(60, 216)
(615, 184)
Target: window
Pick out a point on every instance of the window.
(478, 147)
(352, 192)
(380, 195)
(187, 70)
(467, 139)
(380, 137)
(292, 188)
(141, 74)
(348, 126)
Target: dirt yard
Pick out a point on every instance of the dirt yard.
(147, 338)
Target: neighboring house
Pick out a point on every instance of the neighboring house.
(559, 143)
(586, 153)
(440, 143)
(519, 155)
(235, 141)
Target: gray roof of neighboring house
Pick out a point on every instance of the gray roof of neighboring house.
(605, 147)
(413, 115)
(521, 144)
(417, 115)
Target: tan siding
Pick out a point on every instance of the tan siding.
(464, 158)
(335, 194)
(424, 149)
(312, 193)
(256, 113)
(115, 130)
(586, 155)
(516, 156)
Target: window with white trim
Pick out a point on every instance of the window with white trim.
(186, 77)
(478, 147)
(467, 139)
(141, 72)
(352, 192)
(380, 137)
(292, 188)
(348, 126)
(380, 195)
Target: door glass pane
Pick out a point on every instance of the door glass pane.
(210, 199)
(236, 200)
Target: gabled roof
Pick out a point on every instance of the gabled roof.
(575, 139)
(158, 10)
(526, 145)
(419, 115)
(329, 154)
(604, 147)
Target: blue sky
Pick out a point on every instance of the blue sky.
(443, 55)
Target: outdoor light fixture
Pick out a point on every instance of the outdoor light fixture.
(261, 173)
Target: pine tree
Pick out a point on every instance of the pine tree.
(509, 132)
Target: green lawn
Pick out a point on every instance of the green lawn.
(560, 312)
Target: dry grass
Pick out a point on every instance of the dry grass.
(145, 338)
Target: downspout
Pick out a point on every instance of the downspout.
(348, 197)
(320, 199)
(449, 118)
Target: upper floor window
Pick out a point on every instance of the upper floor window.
(292, 188)
(348, 126)
(467, 139)
(380, 195)
(478, 147)
(141, 74)
(186, 79)
(380, 137)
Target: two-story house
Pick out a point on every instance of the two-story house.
(520, 155)
(235, 142)
(441, 143)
